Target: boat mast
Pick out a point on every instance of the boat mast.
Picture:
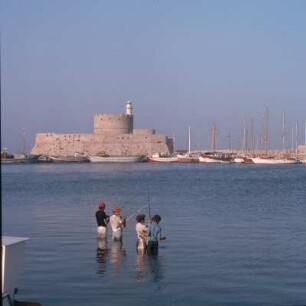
(265, 131)
(296, 139)
(189, 140)
(213, 137)
(292, 137)
(23, 142)
(284, 132)
(229, 142)
(245, 136)
(305, 141)
(252, 136)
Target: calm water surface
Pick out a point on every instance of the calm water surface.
(235, 233)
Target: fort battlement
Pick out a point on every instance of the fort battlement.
(112, 124)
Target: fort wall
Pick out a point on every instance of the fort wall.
(113, 135)
(91, 144)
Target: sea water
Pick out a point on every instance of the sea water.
(236, 234)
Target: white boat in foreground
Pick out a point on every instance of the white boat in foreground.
(115, 159)
(274, 161)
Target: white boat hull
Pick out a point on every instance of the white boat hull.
(238, 160)
(205, 159)
(273, 161)
(115, 159)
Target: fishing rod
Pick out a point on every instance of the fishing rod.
(149, 204)
(111, 203)
(134, 213)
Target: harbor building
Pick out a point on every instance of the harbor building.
(113, 134)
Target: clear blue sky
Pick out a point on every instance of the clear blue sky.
(181, 63)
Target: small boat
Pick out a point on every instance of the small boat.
(274, 161)
(207, 159)
(45, 159)
(69, 159)
(19, 159)
(116, 159)
(157, 158)
(239, 160)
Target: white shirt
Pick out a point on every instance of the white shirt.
(115, 222)
(140, 228)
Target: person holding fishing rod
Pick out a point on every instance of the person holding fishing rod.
(102, 220)
(117, 224)
(154, 235)
(142, 233)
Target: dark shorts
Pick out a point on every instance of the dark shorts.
(152, 248)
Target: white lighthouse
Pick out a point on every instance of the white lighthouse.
(129, 114)
(129, 108)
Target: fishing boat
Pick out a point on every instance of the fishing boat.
(21, 157)
(69, 159)
(158, 158)
(274, 160)
(18, 159)
(116, 159)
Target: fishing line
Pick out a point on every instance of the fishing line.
(134, 213)
(149, 204)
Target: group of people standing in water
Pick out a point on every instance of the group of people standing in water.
(148, 236)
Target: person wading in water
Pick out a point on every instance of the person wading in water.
(142, 233)
(102, 220)
(117, 223)
(154, 235)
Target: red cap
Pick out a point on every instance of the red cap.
(101, 205)
(116, 210)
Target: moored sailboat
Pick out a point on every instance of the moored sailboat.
(188, 157)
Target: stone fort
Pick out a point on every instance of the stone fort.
(113, 134)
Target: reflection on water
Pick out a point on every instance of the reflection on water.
(148, 268)
(116, 256)
(102, 253)
(155, 269)
(140, 266)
